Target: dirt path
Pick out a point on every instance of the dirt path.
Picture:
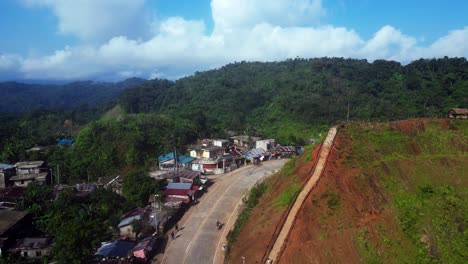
(283, 235)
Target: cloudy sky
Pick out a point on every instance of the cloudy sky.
(116, 39)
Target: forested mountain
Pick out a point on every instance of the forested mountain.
(280, 99)
(290, 101)
(22, 97)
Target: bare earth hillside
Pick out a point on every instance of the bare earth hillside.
(390, 193)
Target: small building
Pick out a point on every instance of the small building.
(147, 247)
(167, 162)
(458, 113)
(184, 191)
(210, 166)
(190, 177)
(12, 225)
(6, 172)
(166, 176)
(266, 144)
(38, 149)
(220, 142)
(244, 140)
(254, 155)
(29, 171)
(212, 152)
(33, 247)
(139, 214)
(115, 249)
(65, 142)
(285, 151)
(10, 196)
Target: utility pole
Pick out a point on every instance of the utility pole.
(347, 116)
(176, 167)
(58, 174)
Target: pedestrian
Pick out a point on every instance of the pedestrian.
(223, 247)
(172, 235)
(176, 227)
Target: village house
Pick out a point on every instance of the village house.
(244, 140)
(212, 152)
(168, 162)
(266, 144)
(458, 113)
(31, 171)
(65, 142)
(13, 224)
(255, 155)
(146, 248)
(10, 196)
(285, 151)
(118, 249)
(38, 149)
(192, 177)
(33, 247)
(220, 142)
(164, 175)
(139, 214)
(6, 172)
(184, 192)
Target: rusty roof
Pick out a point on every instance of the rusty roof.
(460, 111)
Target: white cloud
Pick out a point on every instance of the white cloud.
(9, 62)
(388, 42)
(229, 14)
(455, 44)
(179, 46)
(97, 20)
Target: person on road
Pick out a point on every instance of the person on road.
(172, 235)
(176, 227)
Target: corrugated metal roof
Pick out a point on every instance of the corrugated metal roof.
(32, 176)
(127, 221)
(185, 159)
(180, 192)
(180, 158)
(29, 164)
(65, 142)
(254, 153)
(179, 186)
(166, 157)
(285, 149)
(4, 166)
(115, 249)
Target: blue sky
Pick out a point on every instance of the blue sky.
(117, 39)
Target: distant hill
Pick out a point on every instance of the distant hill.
(22, 97)
(284, 99)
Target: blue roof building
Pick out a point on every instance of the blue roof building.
(65, 142)
(115, 249)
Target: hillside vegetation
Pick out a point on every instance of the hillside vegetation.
(390, 193)
(290, 100)
(21, 97)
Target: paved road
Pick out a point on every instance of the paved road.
(199, 240)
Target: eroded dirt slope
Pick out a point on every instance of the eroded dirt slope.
(383, 197)
(390, 193)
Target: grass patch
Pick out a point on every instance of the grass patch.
(288, 196)
(254, 196)
(424, 176)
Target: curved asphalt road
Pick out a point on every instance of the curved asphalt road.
(199, 240)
